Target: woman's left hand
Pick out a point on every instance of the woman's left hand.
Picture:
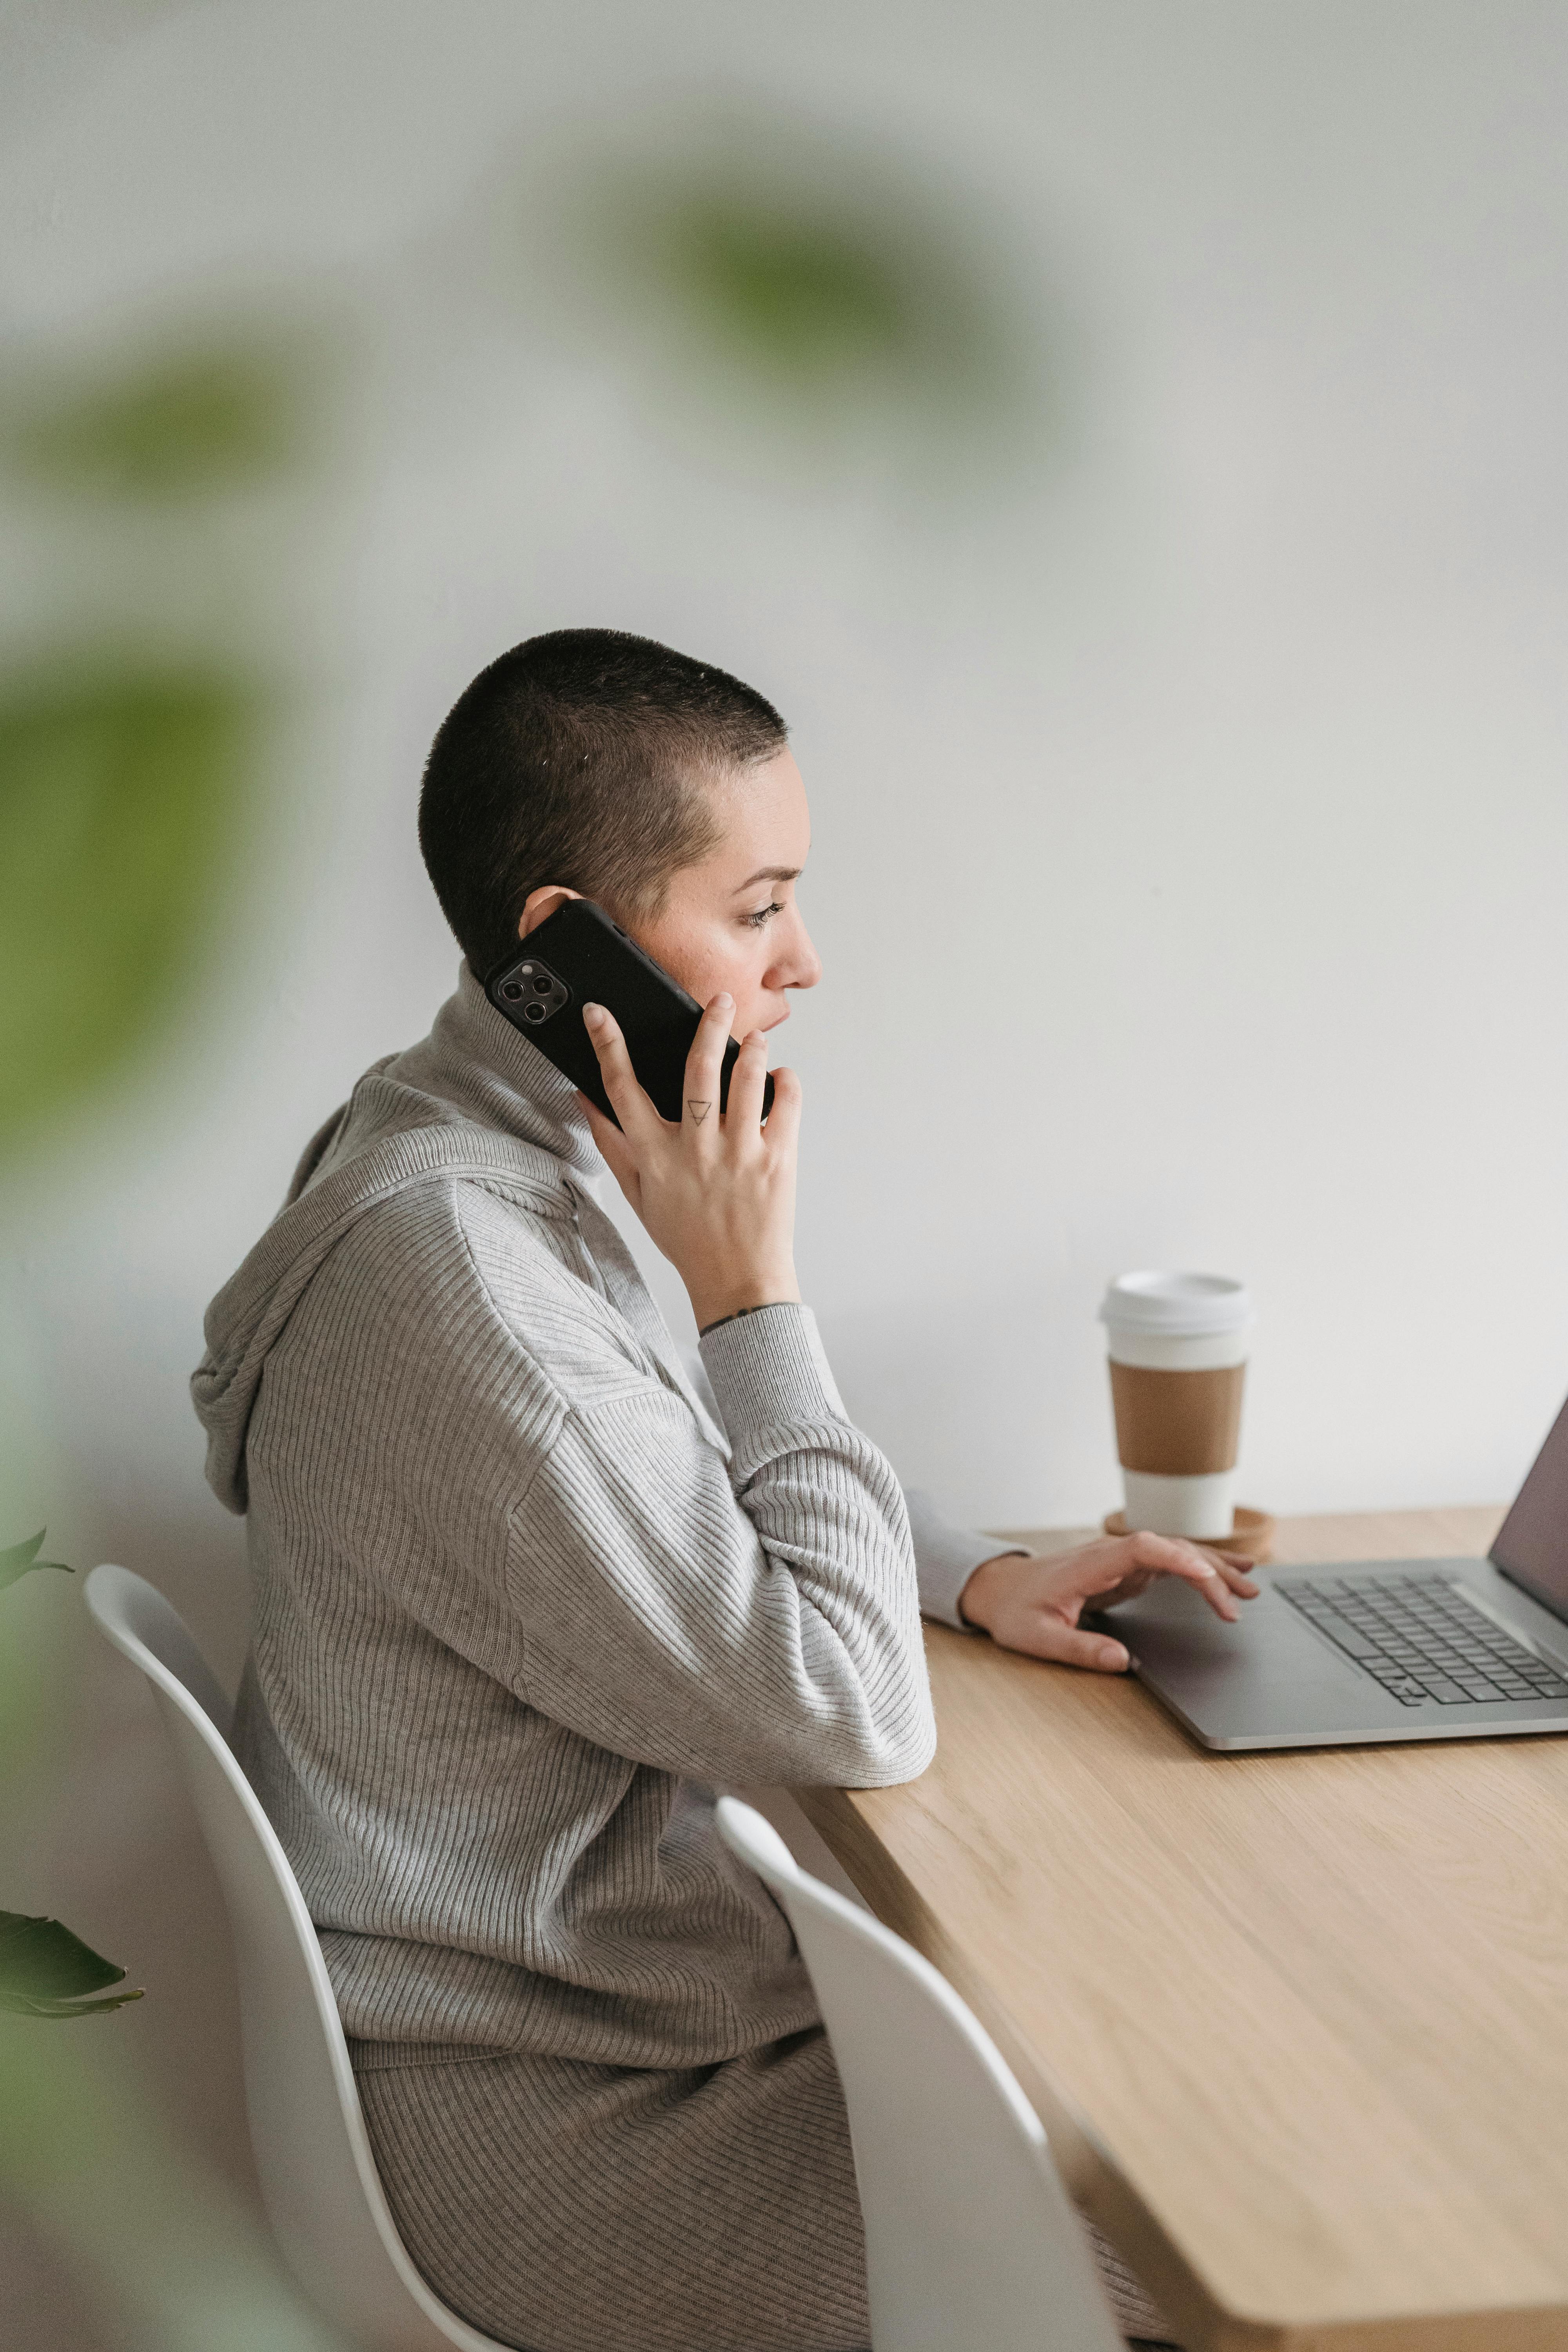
(1033, 1604)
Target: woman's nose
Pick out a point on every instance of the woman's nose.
(799, 966)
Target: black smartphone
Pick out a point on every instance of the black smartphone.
(577, 957)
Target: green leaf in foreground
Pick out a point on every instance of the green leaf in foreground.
(120, 789)
(46, 1972)
(185, 423)
(24, 1557)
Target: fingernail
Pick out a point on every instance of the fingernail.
(593, 1015)
(1114, 1656)
(725, 999)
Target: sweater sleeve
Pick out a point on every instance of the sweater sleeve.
(946, 1558)
(748, 1620)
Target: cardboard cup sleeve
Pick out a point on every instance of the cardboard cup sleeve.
(1178, 1424)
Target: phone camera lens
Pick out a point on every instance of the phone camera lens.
(544, 985)
(534, 1012)
(511, 989)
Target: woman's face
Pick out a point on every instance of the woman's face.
(732, 922)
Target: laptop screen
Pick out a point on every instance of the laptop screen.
(1533, 1542)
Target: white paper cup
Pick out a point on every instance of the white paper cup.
(1178, 1347)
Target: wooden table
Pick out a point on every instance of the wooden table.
(1297, 2024)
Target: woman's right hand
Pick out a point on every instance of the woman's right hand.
(717, 1193)
(1032, 1604)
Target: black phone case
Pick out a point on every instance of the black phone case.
(577, 957)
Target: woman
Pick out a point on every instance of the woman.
(523, 1597)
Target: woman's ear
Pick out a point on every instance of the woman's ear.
(540, 903)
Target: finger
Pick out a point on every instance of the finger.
(783, 1129)
(1173, 1556)
(1117, 1561)
(1221, 1599)
(640, 1121)
(1130, 1586)
(1237, 1573)
(745, 1114)
(699, 1087)
(614, 1148)
(1045, 1636)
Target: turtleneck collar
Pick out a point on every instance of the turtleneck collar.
(475, 1059)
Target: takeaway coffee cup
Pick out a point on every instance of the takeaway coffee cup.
(1178, 1345)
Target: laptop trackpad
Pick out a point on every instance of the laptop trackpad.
(1268, 1676)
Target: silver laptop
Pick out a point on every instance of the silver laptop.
(1400, 1649)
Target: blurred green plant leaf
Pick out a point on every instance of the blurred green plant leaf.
(176, 2259)
(184, 424)
(120, 791)
(46, 1972)
(815, 276)
(24, 1557)
(806, 298)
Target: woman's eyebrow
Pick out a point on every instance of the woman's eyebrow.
(767, 874)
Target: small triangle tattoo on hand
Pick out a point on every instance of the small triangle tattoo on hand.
(699, 1110)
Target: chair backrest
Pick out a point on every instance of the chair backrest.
(318, 2180)
(972, 2244)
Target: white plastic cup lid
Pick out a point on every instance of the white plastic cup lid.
(1185, 1305)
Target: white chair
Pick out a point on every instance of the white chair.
(318, 2175)
(972, 2244)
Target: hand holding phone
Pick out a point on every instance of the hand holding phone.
(578, 955)
(716, 1189)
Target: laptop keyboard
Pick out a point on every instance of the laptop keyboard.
(1421, 1641)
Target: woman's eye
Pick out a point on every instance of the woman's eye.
(763, 914)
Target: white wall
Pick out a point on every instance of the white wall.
(1190, 800)
(1218, 761)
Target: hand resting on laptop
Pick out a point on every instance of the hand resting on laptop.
(1033, 1604)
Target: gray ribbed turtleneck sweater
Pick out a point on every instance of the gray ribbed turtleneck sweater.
(520, 1601)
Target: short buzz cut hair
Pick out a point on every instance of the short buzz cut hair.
(580, 758)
